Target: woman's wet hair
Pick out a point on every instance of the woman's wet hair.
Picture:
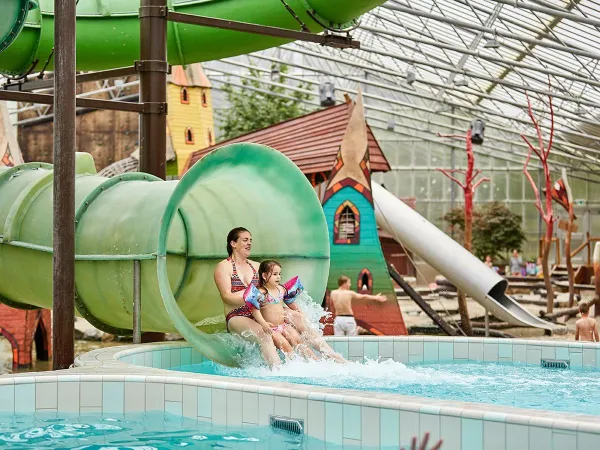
(266, 268)
(233, 236)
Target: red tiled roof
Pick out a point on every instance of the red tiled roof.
(311, 141)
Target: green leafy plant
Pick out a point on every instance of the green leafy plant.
(258, 104)
(496, 229)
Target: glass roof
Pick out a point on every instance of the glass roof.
(476, 58)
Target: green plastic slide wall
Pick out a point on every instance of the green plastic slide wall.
(108, 31)
(177, 229)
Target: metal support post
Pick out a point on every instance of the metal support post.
(137, 302)
(153, 68)
(63, 267)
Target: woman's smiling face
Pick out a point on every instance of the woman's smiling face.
(244, 244)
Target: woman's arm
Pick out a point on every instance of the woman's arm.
(223, 282)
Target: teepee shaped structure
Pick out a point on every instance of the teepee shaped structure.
(10, 153)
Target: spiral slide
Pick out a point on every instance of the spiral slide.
(452, 260)
(177, 229)
(108, 31)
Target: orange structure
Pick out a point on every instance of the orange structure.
(23, 328)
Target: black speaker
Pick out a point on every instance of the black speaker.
(327, 94)
(477, 129)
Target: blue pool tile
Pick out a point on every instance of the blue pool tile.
(564, 439)
(576, 359)
(586, 441)
(371, 350)
(204, 402)
(113, 397)
(431, 424)
(520, 353)
(450, 430)
(490, 351)
(517, 436)
(494, 435)
(476, 351)
(540, 438)
(174, 408)
(186, 356)
(157, 360)
(461, 350)
(401, 351)
(472, 434)
(166, 359)
(334, 421)
(386, 349)
(589, 357)
(341, 348)
(25, 397)
(355, 349)
(352, 422)
(534, 356)
(7, 398)
(562, 353)
(175, 357)
(446, 351)
(138, 359)
(548, 352)
(505, 350)
(409, 426)
(390, 428)
(430, 351)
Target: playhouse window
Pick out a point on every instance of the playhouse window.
(204, 101)
(189, 136)
(185, 96)
(364, 284)
(346, 224)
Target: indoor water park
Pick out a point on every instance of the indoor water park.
(300, 224)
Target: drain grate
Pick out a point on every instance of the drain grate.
(292, 426)
(556, 363)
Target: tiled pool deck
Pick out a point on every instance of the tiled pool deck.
(133, 378)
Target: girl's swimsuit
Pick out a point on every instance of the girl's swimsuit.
(238, 285)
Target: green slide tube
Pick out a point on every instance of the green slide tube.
(108, 30)
(176, 229)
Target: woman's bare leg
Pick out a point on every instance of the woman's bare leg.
(243, 325)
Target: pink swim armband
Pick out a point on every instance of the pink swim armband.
(293, 287)
(253, 297)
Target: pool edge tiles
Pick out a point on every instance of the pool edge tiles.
(115, 379)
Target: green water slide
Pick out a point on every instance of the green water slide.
(177, 229)
(108, 30)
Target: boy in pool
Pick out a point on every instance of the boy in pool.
(585, 328)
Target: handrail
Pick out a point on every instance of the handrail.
(587, 244)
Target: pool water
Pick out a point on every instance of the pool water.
(575, 390)
(140, 431)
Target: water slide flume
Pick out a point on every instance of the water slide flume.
(451, 259)
(108, 31)
(177, 229)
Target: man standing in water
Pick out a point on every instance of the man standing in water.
(341, 298)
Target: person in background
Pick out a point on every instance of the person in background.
(341, 298)
(516, 263)
(488, 261)
(539, 271)
(585, 328)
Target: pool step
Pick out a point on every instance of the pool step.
(293, 426)
(556, 363)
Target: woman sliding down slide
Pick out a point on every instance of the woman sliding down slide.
(266, 303)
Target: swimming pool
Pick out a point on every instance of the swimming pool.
(520, 385)
(142, 431)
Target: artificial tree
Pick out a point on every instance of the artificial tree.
(546, 211)
(474, 134)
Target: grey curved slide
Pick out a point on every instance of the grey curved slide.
(451, 259)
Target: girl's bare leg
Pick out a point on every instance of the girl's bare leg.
(296, 319)
(241, 325)
(282, 343)
(296, 340)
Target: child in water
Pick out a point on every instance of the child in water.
(268, 311)
(266, 304)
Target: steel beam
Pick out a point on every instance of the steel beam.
(63, 258)
(329, 40)
(49, 99)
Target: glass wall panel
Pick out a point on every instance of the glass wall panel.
(499, 185)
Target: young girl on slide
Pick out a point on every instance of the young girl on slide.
(266, 304)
